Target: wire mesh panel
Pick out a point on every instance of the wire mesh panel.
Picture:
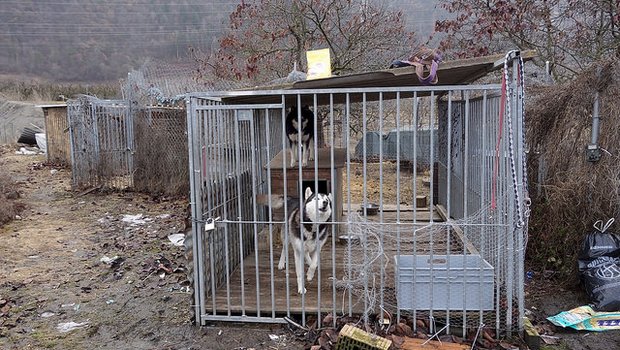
(101, 142)
(119, 144)
(160, 155)
(432, 236)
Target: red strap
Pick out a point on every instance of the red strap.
(502, 109)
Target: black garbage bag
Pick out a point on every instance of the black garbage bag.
(597, 244)
(602, 284)
(599, 267)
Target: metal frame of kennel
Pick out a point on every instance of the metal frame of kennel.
(477, 185)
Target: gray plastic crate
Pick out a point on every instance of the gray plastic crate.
(447, 282)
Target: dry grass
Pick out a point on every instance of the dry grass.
(9, 196)
(15, 89)
(385, 187)
(575, 193)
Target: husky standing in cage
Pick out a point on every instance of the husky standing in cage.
(307, 230)
(300, 134)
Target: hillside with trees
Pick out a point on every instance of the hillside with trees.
(97, 40)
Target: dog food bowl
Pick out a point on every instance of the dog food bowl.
(344, 238)
(370, 209)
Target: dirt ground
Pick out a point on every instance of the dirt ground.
(72, 258)
(104, 262)
(545, 298)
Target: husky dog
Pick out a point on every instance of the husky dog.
(300, 134)
(307, 230)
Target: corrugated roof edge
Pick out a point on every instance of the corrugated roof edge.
(469, 69)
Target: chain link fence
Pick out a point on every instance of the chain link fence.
(146, 129)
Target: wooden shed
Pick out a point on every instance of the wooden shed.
(57, 133)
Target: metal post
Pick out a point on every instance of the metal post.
(194, 181)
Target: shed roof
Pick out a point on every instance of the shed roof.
(52, 105)
(456, 72)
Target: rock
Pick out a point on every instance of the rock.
(402, 329)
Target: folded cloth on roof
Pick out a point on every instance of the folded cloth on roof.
(423, 58)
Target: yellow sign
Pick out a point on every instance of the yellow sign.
(319, 64)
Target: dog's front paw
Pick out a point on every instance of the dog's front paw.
(301, 290)
(310, 272)
(305, 162)
(281, 265)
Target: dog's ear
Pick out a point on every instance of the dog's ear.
(330, 198)
(308, 193)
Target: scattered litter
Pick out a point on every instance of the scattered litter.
(109, 261)
(53, 171)
(106, 219)
(585, 318)
(137, 219)
(177, 239)
(274, 337)
(17, 217)
(41, 141)
(70, 326)
(529, 275)
(111, 301)
(550, 339)
(67, 305)
(506, 346)
(220, 332)
(159, 266)
(47, 314)
(28, 151)
(33, 256)
(163, 216)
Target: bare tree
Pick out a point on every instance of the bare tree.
(568, 33)
(267, 37)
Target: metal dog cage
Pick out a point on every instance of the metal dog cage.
(446, 243)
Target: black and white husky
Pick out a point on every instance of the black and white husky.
(307, 230)
(300, 134)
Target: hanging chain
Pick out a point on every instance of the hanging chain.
(521, 218)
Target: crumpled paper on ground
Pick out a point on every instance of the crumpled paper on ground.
(585, 318)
